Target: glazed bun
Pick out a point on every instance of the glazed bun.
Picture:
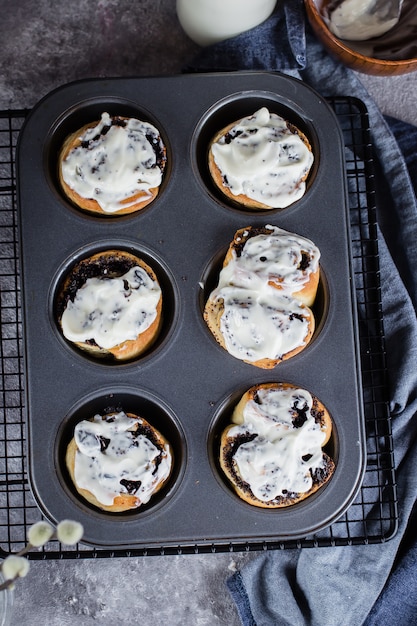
(260, 311)
(118, 461)
(261, 161)
(258, 453)
(110, 305)
(279, 330)
(113, 166)
(287, 261)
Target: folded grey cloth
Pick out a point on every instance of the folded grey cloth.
(340, 585)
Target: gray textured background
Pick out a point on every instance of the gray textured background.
(50, 42)
(43, 45)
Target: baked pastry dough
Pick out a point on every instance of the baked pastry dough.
(260, 309)
(248, 326)
(110, 305)
(113, 166)
(289, 262)
(272, 452)
(261, 161)
(118, 461)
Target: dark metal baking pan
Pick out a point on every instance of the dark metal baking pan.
(188, 384)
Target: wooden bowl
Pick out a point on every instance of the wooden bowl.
(348, 56)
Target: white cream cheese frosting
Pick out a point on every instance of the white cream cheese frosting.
(114, 162)
(273, 256)
(357, 20)
(261, 158)
(112, 458)
(280, 458)
(111, 310)
(261, 324)
(258, 320)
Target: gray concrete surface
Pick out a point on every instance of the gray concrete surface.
(43, 45)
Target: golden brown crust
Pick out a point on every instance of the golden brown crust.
(229, 444)
(124, 501)
(306, 295)
(114, 263)
(127, 206)
(217, 176)
(213, 312)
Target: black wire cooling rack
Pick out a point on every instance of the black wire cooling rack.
(372, 517)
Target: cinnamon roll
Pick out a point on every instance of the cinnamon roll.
(260, 309)
(118, 461)
(113, 166)
(261, 161)
(287, 261)
(110, 305)
(272, 452)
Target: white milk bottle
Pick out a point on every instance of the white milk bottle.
(209, 21)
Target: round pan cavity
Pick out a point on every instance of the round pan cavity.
(138, 402)
(74, 272)
(230, 110)
(88, 112)
(223, 417)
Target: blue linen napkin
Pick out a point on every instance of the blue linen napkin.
(370, 584)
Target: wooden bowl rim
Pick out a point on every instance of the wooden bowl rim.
(317, 20)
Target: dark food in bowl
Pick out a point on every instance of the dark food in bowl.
(391, 53)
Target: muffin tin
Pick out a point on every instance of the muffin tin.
(185, 385)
